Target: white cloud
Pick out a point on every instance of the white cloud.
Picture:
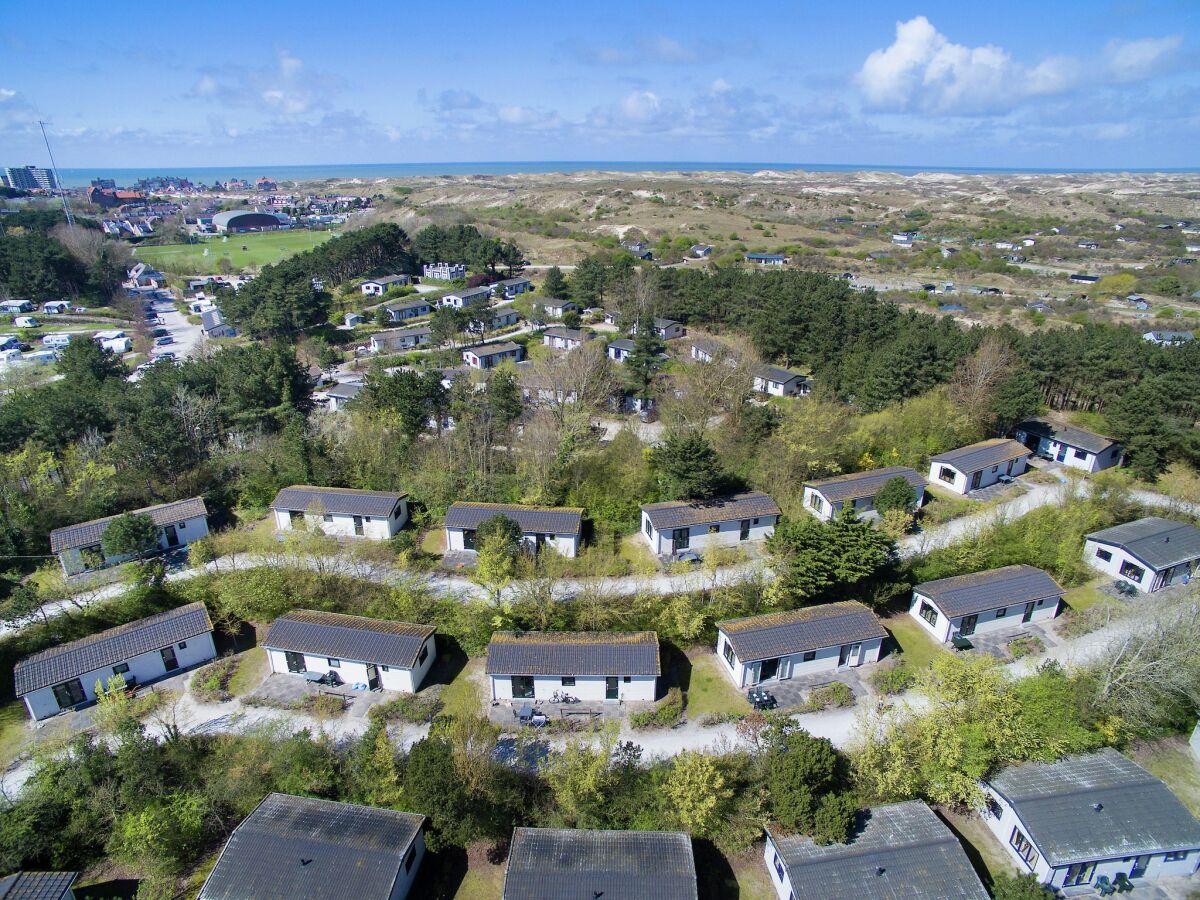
(640, 106)
(1136, 60)
(287, 88)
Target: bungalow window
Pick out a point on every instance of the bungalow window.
(183, 645)
(929, 614)
(120, 668)
(384, 669)
(328, 517)
(947, 474)
(1080, 454)
(423, 655)
(1129, 570)
(814, 500)
(410, 858)
(1024, 847)
(333, 663)
(649, 527)
(778, 865)
(809, 656)
(995, 469)
(568, 681)
(713, 529)
(1000, 613)
(1105, 555)
(727, 652)
(396, 513)
(1175, 856)
(628, 679)
(295, 516)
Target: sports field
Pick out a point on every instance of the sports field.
(260, 250)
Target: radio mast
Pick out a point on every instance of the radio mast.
(62, 193)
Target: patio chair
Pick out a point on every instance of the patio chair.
(1123, 884)
(1104, 886)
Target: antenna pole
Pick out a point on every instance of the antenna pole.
(62, 193)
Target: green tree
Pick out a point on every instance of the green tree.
(1146, 436)
(504, 395)
(383, 318)
(1015, 399)
(697, 794)
(827, 560)
(588, 281)
(373, 773)
(572, 319)
(806, 774)
(556, 285)
(896, 493)
(688, 467)
(644, 362)
(432, 785)
(498, 547)
(130, 534)
(446, 324)
(1019, 887)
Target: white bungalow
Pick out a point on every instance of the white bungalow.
(593, 666)
(468, 297)
(678, 525)
(488, 356)
(556, 309)
(1150, 553)
(79, 547)
(397, 339)
(979, 465)
(780, 382)
(983, 602)
(1090, 818)
(556, 527)
(1071, 446)
(377, 287)
(620, 349)
(666, 329)
(779, 646)
(827, 497)
(564, 338)
(65, 677)
(340, 512)
(355, 650)
(408, 309)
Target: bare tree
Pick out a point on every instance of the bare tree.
(580, 380)
(979, 375)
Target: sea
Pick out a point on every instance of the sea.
(370, 171)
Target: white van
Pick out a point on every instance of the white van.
(26, 322)
(56, 340)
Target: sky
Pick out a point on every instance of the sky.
(1054, 83)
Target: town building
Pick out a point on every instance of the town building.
(783, 645)
(340, 512)
(557, 527)
(240, 221)
(65, 677)
(293, 847)
(1150, 553)
(593, 666)
(978, 465)
(214, 326)
(488, 356)
(1071, 446)
(827, 497)
(677, 525)
(984, 602)
(443, 271)
(354, 650)
(30, 178)
(79, 548)
(1090, 818)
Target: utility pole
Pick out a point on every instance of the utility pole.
(62, 193)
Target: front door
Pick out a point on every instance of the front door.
(170, 663)
(976, 480)
(768, 669)
(849, 655)
(522, 687)
(469, 539)
(295, 661)
(69, 693)
(1139, 867)
(1028, 611)
(968, 625)
(1062, 453)
(358, 525)
(744, 534)
(372, 677)
(610, 688)
(172, 536)
(1080, 873)
(680, 539)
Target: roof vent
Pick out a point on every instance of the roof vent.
(879, 870)
(1097, 806)
(304, 862)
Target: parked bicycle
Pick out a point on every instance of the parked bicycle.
(562, 697)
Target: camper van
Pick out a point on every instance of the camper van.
(117, 345)
(26, 322)
(56, 341)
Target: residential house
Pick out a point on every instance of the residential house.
(509, 288)
(556, 309)
(978, 465)
(580, 864)
(952, 308)
(443, 271)
(640, 249)
(213, 324)
(1088, 245)
(499, 317)
(903, 239)
(292, 847)
(79, 548)
(1038, 306)
(1088, 817)
(468, 297)
(666, 329)
(340, 512)
(766, 259)
(50, 308)
(1169, 338)
(948, 252)
(38, 886)
(557, 527)
(537, 388)
(816, 639)
(982, 602)
(488, 356)
(1004, 245)
(1150, 553)
(611, 316)
(66, 676)
(1071, 446)
(338, 395)
(900, 850)
(700, 251)
(353, 319)
(377, 287)
(408, 309)
(705, 349)
(565, 338)
(620, 349)
(589, 665)
(779, 382)
(677, 525)
(828, 496)
(355, 650)
(396, 339)
(1084, 279)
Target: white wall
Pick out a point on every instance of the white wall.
(563, 544)
(144, 667)
(728, 534)
(396, 678)
(947, 628)
(745, 674)
(782, 882)
(588, 688)
(863, 506)
(377, 528)
(1076, 458)
(404, 881)
(961, 483)
(1150, 580)
(187, 530)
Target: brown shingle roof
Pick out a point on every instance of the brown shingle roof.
(573, 653)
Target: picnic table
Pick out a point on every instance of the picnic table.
(761, 699)
(961, 643)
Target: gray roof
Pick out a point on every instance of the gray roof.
(36, 885)
(964, 595)
(107, 648)
(623, 344)
(864, 484)
(398, 333)
(339, 501)
(292, 847)
(407, 304)
(575, 864)
(570, 334)
(1171, 335)
(573, 653)
(682, 513)
(1057, 803)
(799, 630)
(902, 851)
(1066, 434)
(777, 373)
(975, 457)
(1159, 543)
(492, 349)
(345, 390)
(87, 534)
(348, 637)
(472, 292)
(664, 323)
(531, 519)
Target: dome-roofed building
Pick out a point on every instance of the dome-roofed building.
(235, 221)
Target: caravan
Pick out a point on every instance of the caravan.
(56, 341)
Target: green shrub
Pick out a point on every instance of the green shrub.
(414, 708)
(211, 684)
(201, 552)
(893, 680)
(836, 695)
(1026, 646)
(666, 714)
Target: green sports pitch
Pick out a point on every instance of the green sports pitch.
(243, 251)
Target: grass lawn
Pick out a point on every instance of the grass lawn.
(483, 881)
(981, 845)
(753, 883)
(1172, 761)
(261, 249)
(434, 541)
(637, 554)
(14, 731)
(1086, 595)
(942, 506)
(251, 670)
(709, 691)
(918, 647)
(462, 696)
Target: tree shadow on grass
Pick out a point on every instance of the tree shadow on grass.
(714, 875)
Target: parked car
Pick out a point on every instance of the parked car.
(164, 340)
(159, 332)
(167, 354)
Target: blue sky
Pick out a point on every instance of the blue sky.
(1056, 83)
